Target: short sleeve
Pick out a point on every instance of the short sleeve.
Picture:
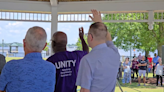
(81, 53)
(84, 77)
(4, 77)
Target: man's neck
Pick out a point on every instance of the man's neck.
(27, 52)
(98, 43)
(60, 49)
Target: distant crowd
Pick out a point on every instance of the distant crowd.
(142, 65)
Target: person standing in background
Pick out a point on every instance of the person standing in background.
(155, 62)
(127, 71)
(159, 71)
(139, 57)
(150, 60)
(134, 56)
(147, 66)
(142, 70)
(135, 67)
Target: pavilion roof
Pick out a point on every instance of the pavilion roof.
(69, 0)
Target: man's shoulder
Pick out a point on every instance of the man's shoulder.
(80, 52)
(48, 64)
(12, 63)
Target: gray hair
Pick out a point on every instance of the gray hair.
(36, 38)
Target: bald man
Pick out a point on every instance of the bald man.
(98, 69)
(67, 63)
(32, 73)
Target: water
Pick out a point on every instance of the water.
(21, 52)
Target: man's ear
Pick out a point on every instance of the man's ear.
(45, 46)
(91, 37)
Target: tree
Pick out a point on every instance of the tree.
(135, 35)
(79, 45)
(47, 47)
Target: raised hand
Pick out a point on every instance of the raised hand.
(96, 16)
(81, 33)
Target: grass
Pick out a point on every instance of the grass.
(15, 58)
(11, 58)
(126, 88)
(135, 88)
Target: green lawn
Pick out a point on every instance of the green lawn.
(15, 58)
(134, 88)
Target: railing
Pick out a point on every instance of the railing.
(44, 55)
(25, 16)
(73, 17)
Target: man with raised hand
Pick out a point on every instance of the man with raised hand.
(98, 69)
(32, 73)
(66, 62)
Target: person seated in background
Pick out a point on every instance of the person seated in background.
(135, 67)
(159, 71)
(67, 63)
(98, 69)
(2, 62)
(142, 70)
(32, 73)
(127, 71)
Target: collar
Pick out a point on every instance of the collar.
(99, 46)
(33, 55)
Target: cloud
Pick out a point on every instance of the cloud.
(47, 29)
(14, 31)
(0, 28)
(15, 24)
(82, 24)
(0, 32)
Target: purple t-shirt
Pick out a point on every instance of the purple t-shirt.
(67, 65)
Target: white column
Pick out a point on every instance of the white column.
(54, 22)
